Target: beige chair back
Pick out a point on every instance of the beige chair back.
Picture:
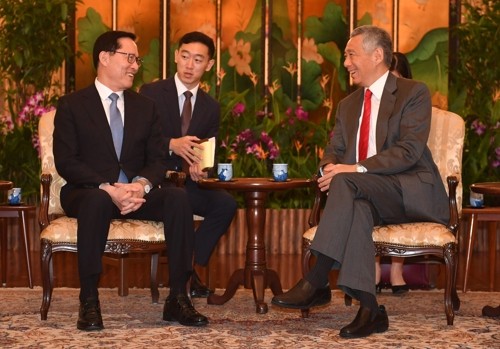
(446, 143)
(45, 132)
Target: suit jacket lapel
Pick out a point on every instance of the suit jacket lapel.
(354, 111)
(97, 116)
(172, 102)
(199, 108)
(385, 111)
(131, 109)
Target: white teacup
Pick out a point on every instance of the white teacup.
(14, 196)
(476, 199)
(280, 172)
(225, 171)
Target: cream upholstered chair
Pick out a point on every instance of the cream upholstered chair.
(58, 232)
(433, 240)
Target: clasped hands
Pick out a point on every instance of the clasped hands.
(128, 197)
(185, 148)
(330, 170)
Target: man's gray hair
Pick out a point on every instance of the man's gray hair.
(374, 37)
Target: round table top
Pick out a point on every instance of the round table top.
(5, 185)
(256, 184)
(492, 188)
(14, 211)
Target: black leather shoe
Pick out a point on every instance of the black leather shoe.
(180, 309)
(400, 289)
(198, 290)
(89, 315)
(303, 296)
(490, 311)
(365, 323)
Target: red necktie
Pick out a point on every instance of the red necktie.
(186, 119)
(364, 131)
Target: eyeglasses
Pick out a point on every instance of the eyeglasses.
(131, 58)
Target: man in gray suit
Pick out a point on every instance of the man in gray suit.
(381, 175)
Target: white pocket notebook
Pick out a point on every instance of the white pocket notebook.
(207, 154)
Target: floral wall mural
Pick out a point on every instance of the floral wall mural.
(279, 65)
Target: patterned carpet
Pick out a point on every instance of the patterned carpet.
(417, 320)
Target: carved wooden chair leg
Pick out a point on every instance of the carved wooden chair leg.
(47, 278)
(122, 271)
(454, 295)
(155, 294)
(450, 259)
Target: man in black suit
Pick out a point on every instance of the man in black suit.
(193, 57)
(387, 177)
(105, 182)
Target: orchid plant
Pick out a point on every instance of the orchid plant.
(19, 144)
(254, 134)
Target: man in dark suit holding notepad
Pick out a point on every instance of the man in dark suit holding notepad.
(189, 115)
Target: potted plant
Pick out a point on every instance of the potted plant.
(33, 46)
(475, 90)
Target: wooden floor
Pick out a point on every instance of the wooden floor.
(221, 267)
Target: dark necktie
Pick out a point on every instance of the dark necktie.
(364, 131)
(116, 125)
(186, 119)
(186, 112)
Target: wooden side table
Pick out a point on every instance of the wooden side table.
(20, 212)
(255, 275)
(491, 215)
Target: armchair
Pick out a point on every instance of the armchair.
(58, 232)
(432, 240)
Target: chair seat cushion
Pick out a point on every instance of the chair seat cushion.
(409, 234)
(63, 229)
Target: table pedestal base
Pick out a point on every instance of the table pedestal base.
(260, 280)
(255, 275)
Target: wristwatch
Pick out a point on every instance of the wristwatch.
(145, 183)
(147, 188)
(360, 168)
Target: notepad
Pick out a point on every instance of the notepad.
(207, 155)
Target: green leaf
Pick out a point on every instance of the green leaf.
(311, 89)
(366, 19)
(429, 61)
(18, 59)
(89, 28)
(151, 66)
(330, 51)
(331, 27)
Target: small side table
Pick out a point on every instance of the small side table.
(20, 212)
(255, 275)
(484, 214)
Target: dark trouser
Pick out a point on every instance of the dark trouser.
(217, 207)
(94, 211)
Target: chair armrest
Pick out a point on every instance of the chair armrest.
(319, 198)
(43, 214)
(452, 202)
(178, 178)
